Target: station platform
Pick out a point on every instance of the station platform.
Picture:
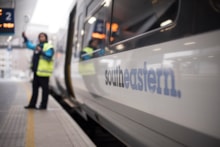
(20, 127)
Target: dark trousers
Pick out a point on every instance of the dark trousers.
(40, 82)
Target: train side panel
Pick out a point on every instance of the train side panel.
(156, 89)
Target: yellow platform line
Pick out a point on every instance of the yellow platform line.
(29, 141)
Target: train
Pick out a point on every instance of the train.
(152, 77)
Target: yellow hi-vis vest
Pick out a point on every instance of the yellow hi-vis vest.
(88, 51)
(45, 67)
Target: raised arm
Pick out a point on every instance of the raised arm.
(28, 43)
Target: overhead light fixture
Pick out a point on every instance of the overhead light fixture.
(111, 51)
(168, 62)
(165, 23)
(180, 54)
(120, 47)
(156, 49)
(107, 3)
(82, 32)
(92, 20)
(189, 43)
(9, 38)
(210, 56)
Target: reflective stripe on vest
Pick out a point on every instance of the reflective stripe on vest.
(88, 50)
(45, 67)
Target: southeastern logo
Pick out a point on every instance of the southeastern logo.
(143, 79)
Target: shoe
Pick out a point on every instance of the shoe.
(29, 107)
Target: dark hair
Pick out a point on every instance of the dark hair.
(93, 39)
(42, 33)
(90, 42)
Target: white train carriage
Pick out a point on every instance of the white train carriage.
(153, 77)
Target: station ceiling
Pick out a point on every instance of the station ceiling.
(24, 10)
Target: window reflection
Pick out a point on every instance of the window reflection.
(94, 36)
(140, 16)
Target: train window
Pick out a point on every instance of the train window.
(134, 18)
(207, 16)
(91, 6)
(94, 35)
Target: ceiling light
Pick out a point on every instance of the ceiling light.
(120, 47)
(9, 38)
(92, 20)
(156, 49)
(189, 43)
(165, 23)
(107, 3)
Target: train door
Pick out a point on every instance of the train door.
(67, 70)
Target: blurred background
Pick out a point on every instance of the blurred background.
(32, 17)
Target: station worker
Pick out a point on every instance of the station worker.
(88, 51)
(42, 67)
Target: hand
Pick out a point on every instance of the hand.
(24, 35)
(38, 48)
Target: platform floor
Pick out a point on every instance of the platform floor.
(35, 128)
